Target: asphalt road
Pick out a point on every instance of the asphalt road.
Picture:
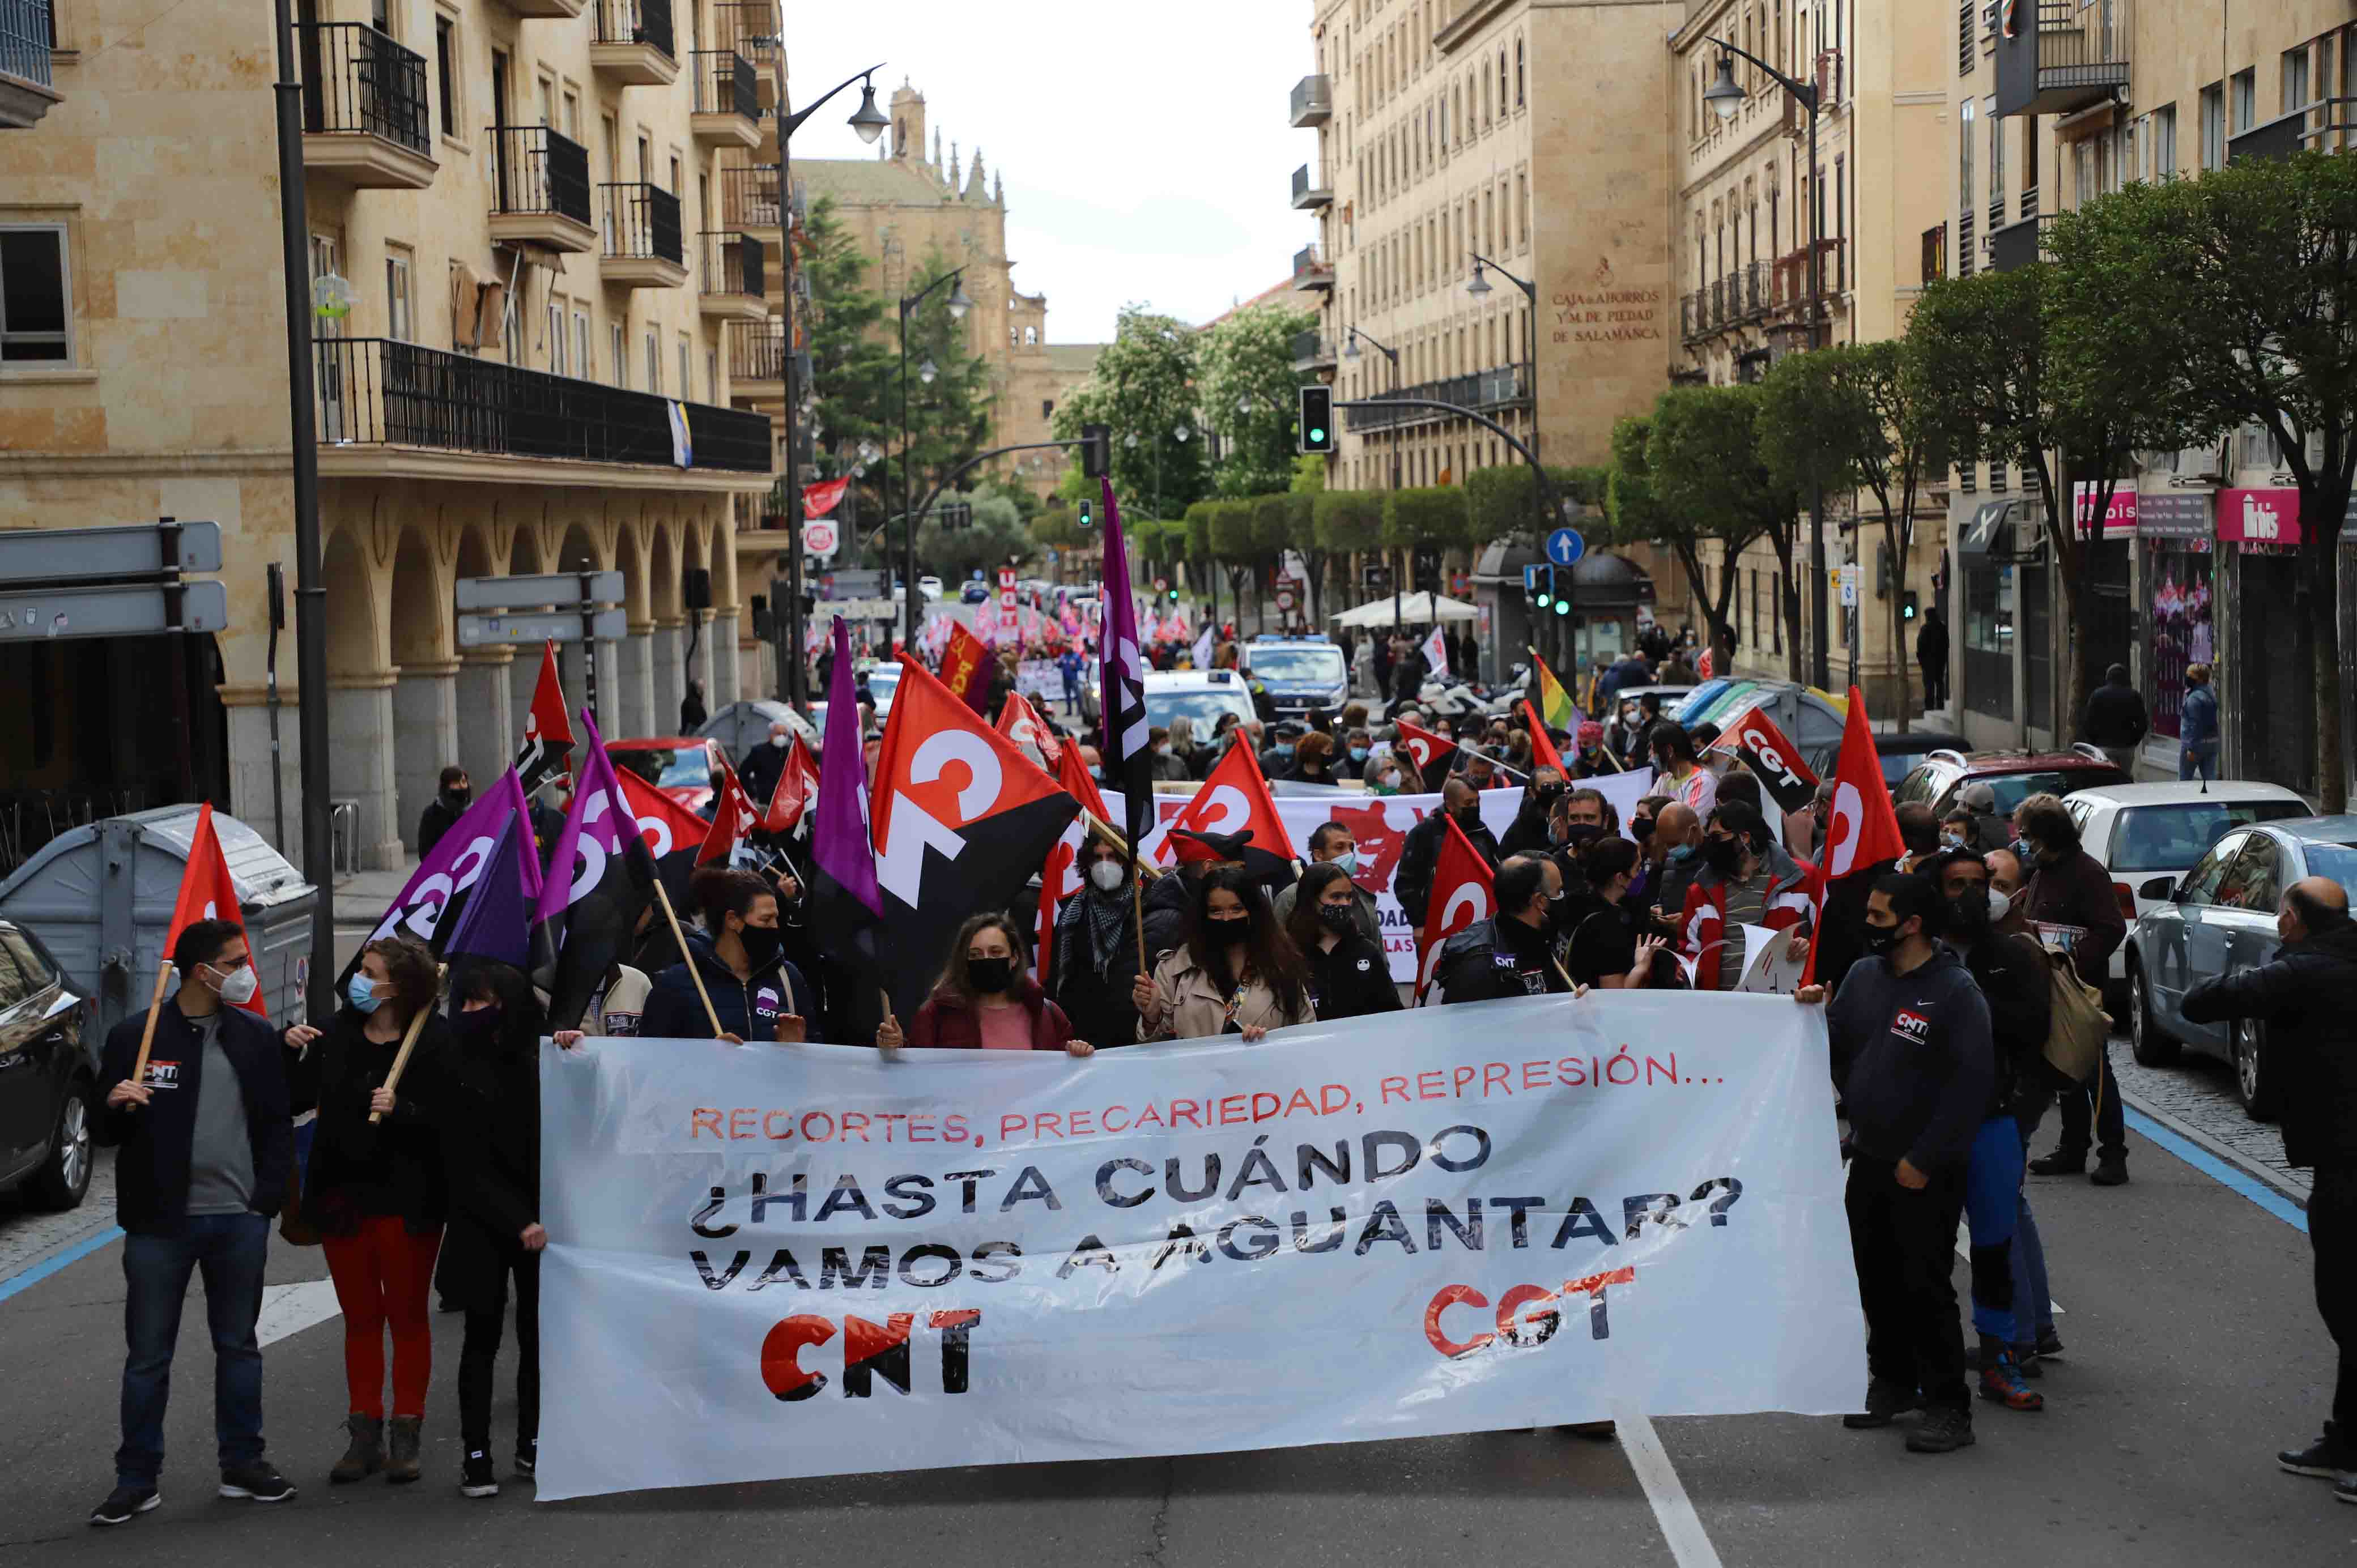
(2194, 1353)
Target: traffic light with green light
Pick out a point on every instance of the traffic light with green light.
(1318, 420)
(1087, 520)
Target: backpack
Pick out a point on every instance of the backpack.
(2075, 1039)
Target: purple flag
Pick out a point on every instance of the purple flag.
(840, 844)
(600, 880)
(497, 921)
(436, 896)
(1126, 756)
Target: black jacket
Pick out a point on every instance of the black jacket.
(151, 1175)
(1527, 833)
(2307, 996)
(490, 1117)
(438, 818)
(748, 1008)
(1912, 1059)
(1932, 643)
(1494, 957)
(1419, 860)
(761, 770)
(1097, 1002)
(2115, 715)
(357, 1170)
(1350, 982)
(2012, 972)
(1170, 901)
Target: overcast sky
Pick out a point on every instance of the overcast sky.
(1145, 146)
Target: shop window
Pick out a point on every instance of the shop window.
(1988, 637)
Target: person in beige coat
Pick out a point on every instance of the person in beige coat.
(1236, 972)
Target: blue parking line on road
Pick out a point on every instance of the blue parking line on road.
(2218, 1170)
(50, 1265)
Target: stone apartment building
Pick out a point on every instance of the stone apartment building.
(2050, 105)
(529, 223)
(908, 206)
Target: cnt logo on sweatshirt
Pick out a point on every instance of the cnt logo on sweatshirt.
(163, 1074)
(1912, 1027)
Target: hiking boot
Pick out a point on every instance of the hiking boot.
(123, 1504)
(259, 1482)
(2061, 1162)
(1944, 1429)
(365, 1457)
(2001, 1379)
(1884, 1403)
(475, 1477)
(2112, 1170)
(2050, 1344)
(527, 1456)
(400, 1462)
(2326, 1458)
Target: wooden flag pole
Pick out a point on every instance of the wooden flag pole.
(1115, 837)
(148, 1035)
(688, 958)
(409, 1039)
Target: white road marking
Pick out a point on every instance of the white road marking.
(1681, 1528)
(288, 1310)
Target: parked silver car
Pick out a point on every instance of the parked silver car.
(2218, 920)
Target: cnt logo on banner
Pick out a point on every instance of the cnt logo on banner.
(810, 1259)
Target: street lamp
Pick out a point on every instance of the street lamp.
(1725, 96)
(958, 306)
(870, 123)
(1479, 287)
(1350, 351)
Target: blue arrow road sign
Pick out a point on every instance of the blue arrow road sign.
(1564, 546)
(1530, 578)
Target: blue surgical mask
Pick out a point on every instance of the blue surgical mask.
(1285, 749)
(1681, 852)
(361, 990)
(1358, 754)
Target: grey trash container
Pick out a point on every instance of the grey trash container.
(101, 897)
(741, 727)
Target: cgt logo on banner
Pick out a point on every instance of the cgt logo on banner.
(811, 1260)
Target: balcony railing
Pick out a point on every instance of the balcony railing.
(641, 221)
(635, 21)
(2079, 58)
(1312, 270)
(1313, 102)
(2017, 245)
(1759, 278)
(537, 170)
(726, 83)
(1718, 296)
(2030, 202)
(757, 351)
(27, 32)
(1480, 391)
(1305, 194)
(376, 392)
(751, 28)
(1967, 256)
(748, 195)
(1690, 315)
(732, 263)
(357, 80)
(1311, 348)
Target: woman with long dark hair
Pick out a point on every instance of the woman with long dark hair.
(377, 1192)
(1236, 972)
(757, 994)
(985, 999)
(1349, 976)
(491, 1148)
(1611, 947)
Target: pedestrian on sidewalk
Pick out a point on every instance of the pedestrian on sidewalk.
(489, 1119)
(377, 1193)
(692, 714)
(2307, 996)
(2070, 902)
(2033, 1096)
(1912, 1060)
(205, 1142)
(1932, 658)
(2115, 721)
(2197, 726)
(451, 801)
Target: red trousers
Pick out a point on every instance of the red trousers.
(383, 1275)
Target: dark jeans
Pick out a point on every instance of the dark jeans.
(2108, 1132)
(2332, 1232)
(1935, 686)
(478, 1359)
(1904, 1244)
(229, 1251)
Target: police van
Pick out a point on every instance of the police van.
(1299, 673)
(1199, 696)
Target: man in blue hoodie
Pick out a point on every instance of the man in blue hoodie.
(1913, 1060)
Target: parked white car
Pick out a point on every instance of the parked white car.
(2142, 832)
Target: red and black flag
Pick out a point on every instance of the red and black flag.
(796, 793)
(547, 749)
(600, 880)
(1431, 755)
(1232, 802)
(674, 834)
(734, 820)
(1772, 759)
(962, 819)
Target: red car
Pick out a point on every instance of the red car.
(682, 766)
(2010, 775)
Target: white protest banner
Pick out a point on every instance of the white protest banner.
(1039, 678)
(1380, 824)
(799, 1261)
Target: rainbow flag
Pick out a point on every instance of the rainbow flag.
(1555, 704)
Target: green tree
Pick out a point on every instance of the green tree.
(998, 538)
(1710, 471)
(1142, 387)
(1246, 387)
(1347, 522)
(852, 359)
(1503, 501)
(948, 418)
(1639, 513)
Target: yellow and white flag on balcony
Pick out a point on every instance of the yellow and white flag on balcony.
(682, 445)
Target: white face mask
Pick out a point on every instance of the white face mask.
(778, 740)
(1107, 874)
(2000, 905)
(237, 987)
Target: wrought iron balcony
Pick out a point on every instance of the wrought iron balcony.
(379, 392)
(1305, 195)
(1312, 351)
(1312, 270)
(28, 33)
(633, 45)
(1313, 102)
(751, 28)
(642, 241)
(727, 99)
(1968, 257)
(756, 359)
(1481, 392)
(364, 114)
(1690, 315)
(2015, 245)
(2077, 58)
(1718, 296)
(733, 276)
(540, 188)
(749, 200)
(1759, 288)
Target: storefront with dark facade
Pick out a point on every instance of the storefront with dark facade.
(2176, 609)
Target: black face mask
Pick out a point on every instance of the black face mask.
(990, 975)
(1970, 910)
(1470, 816)
(1337, 919)
(1877, 940)
(1547, 794)
(1724, 856)
(1582, 832)
(760, 945)
(454, 799)
(478, 1029)
(1227, 930)
(1640, 828)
